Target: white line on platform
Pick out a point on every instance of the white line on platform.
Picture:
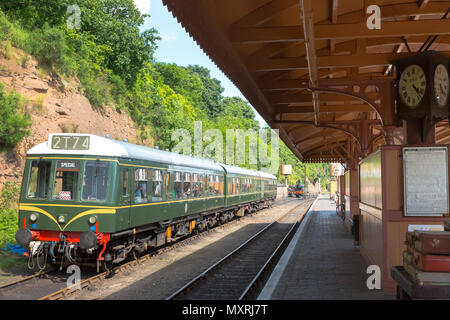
(271, 284)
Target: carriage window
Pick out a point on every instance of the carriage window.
(201, 185)
(177, 185)
(157, 185)
(187, 185)
(124, 182)
(95, 181)
(237, 186)
(211, 184)
(195, 185)
(140, 192)
(218, 185)
(66, 180)
(39, 180)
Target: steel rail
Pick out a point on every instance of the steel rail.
(274, 256)
(12, 283)
(203, 274)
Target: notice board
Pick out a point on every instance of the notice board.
(425, 181)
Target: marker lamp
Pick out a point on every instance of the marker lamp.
(33, 217)
(61, 219)
(92, 219)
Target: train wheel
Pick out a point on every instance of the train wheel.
(108, 266)
(135, 254)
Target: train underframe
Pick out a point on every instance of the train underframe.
(104, 250)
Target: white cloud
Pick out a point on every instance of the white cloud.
(168, 36)
(144, 6)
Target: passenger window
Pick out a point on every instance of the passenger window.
(95, 181)
(187, 185)
(157, 185)
(237, 186)
(140, 192)
(39, 180)
(211, 184)
(195, 185)
(177, 185)
(217, 185)
(125, 182)
(66, 180)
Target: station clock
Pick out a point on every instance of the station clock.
(423, 88)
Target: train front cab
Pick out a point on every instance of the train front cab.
(67, 201)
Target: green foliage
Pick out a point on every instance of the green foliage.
(155, 105)
(298, 169)
(36, 13)
(14, 126)
(212, 95)
(115, 24)
(114, 62)
(8, 214)
(50, 48)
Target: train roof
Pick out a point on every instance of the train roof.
(244, 171)
(100, 146)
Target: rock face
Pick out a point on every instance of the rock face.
(55, 105)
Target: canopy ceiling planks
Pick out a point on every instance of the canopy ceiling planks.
(313, 69)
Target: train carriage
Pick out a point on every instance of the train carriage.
(89, 199)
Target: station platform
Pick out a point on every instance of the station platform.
(321, 262)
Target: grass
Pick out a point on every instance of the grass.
(10, 260)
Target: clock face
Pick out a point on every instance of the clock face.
(412, 86)
(441, 85)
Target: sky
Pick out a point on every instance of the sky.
(176, 46)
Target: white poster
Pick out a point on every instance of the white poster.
(425, 172)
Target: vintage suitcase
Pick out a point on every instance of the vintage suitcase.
(426, 278)
(433, 242)
(409, 242)
(431, 263)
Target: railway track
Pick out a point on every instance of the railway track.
(52, 285)
(241, 274)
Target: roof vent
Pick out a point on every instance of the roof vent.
(125, 140)
(157, 147)
(108, 136)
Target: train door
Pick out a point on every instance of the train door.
(125, 196)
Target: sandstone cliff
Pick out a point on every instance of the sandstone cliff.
(55, 105)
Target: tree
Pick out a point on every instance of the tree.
(212, 95)
(14, 126)
(182, 81)
(116, 23)
(35, 13)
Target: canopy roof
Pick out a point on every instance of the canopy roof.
(275, 51)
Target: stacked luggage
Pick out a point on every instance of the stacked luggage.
(427, 258)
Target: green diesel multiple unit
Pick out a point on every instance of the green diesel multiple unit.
(88, 199)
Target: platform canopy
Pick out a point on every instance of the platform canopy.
(313, 69)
